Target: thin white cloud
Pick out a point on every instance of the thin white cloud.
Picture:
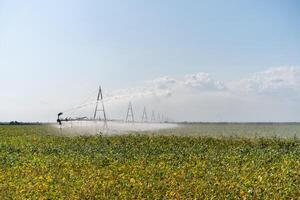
(282, 81)
(203, 81)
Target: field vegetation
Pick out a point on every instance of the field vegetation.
(37, 162)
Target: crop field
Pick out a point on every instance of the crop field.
(236, 130)
(188, 162)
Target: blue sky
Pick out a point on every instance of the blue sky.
(54, 52)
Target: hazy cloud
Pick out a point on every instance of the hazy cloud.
(282, 81)
(264, 96)
(203, 81)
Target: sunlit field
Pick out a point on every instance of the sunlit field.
(189, 162)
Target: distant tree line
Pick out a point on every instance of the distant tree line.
(20, 123)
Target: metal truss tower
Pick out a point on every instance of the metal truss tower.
(129, 115)
(153, 116)
(101, 110)
(144, 117)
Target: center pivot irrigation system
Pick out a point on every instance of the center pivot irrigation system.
(95, 118)
(100, 114)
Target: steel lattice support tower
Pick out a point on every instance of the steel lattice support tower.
(153, 116)
(129, 115)
(144, 117)
(97, 109)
